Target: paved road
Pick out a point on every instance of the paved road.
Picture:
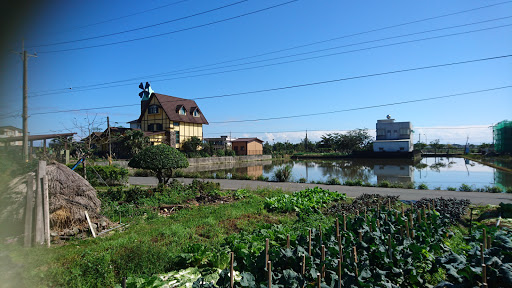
(351, 191)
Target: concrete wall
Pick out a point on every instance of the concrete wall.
(392, 146)
(204, 161)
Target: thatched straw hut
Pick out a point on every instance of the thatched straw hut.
(69, 194)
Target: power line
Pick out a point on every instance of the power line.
(345, 130)
(171, 32)
(300, 85)
(139, 28)
(290, 61)
(129, 15)
(362, 108)
(300, 46)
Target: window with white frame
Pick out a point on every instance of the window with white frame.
(182, 111)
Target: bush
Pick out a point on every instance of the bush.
(493, 189)
(465, 188)
(333, 181)
(451, 189)
(101, 175)
(509, 190)
(262, 178)
(302, 180)
(145, 173)
(358, 182)
(422, 186)
(283, 174)
(220, 153)
(384, 184)
(230, 153)
(220, 175)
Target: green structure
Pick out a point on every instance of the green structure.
(502, 133)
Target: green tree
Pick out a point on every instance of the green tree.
(420, 145)
(134, 142)
(354, 140)
(161, 159)
(436, 145)
(191, 145)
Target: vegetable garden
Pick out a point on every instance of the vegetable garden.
(374, 241)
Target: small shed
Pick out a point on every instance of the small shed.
(248, 146)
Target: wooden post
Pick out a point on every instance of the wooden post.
(407, 228)
(29, 209)
(288, 241)
(319, 280)
(389, 203)
(484, 240)
(355, 254)
(267, 246)
(339, 273)
(412, 233)
(378, 223)
(309, 247)
(269, 268)
(90, 224)
(340, 248)
(231, 270)
(322, 259)
(46, 210)
(386, 218)
(360, 236)
(337, 227)
(489, 242)
(123, 283)
(344, 222)
(484, 274)
(419, 216)
(482, 260)
(41, 170)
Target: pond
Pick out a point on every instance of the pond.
(436, 173)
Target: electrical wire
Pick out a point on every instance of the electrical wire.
(301, 46)
(285, 62)
(302, 85)
(170, 32)
(136, 29)
(361, 108)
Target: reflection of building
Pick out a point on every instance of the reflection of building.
(248, 146)
(11, 131)
(394, 173)
(253, 171)
(393, 136)
(502, 134)
(502, 179)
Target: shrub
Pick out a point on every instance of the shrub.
(220, 175)
(437, 188)
(283, 174)
(302, 180)
(146, 173)
(509, 190)
(230, 152)
(358, 182)
(422, 186)
(451, 189)
(384, 184)
(465, 188)
(161, 159)
(493, 189)
(220, 153)
(333, 181)
(101, 175)
(262, 178)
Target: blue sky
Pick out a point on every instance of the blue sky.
(294, 24)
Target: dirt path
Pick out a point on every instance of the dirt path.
(351, 191)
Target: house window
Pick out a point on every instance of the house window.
(153, 109)
(381, 132)
(176, 123)
(236, 148)
(158, 127)
(151, 127)
(182, 111)
(177, 137)
(404, 131)
(196, 114)
(242, 148)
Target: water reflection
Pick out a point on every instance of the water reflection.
(434, 172)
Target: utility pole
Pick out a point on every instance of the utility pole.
(306, 142)
(25, 99)
(109, 143)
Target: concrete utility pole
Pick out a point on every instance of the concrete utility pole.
(25, 100)
(109, 143)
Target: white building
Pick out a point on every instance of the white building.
(393, 136)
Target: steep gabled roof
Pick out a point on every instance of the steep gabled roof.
(171, 106)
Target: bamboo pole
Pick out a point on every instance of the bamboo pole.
(484, 238)
(323, 260)
(288, 241)
(488, 241)
(344, 222)
(231, 270)
(46, 210)
(309, 238)
(267, 247)
(355, 254)
(339, 273)
(303, 264)
(269, 268)
(90, 224)
(407, 228)
(482, 260)
(29, 209)
(484, 274)
(318, 279)
(340, 247)
(378, 223)
(337, 226)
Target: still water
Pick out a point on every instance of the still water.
(434, 172)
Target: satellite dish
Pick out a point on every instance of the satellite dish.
(388, 116)
(146, 91)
